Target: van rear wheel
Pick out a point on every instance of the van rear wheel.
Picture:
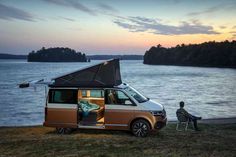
(63, 130)
(140, 128)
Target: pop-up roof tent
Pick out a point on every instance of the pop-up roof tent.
(106, 74)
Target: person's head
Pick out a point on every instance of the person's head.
(181, 104)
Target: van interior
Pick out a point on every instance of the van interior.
(91, 107)
(91, 104)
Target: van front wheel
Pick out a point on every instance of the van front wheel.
(63, 130)
(140, 128)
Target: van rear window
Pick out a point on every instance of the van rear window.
(65, 96)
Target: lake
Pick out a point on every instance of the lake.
(207, 92)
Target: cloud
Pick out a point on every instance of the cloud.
(142, 24)
(139, 20)
(223, 27)
(107, 7)
(9, 13)
(230, 5)
(72, 4)
(66, 18)
(207, 11)
(233, 33)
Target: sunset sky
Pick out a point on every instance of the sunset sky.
(113, 27)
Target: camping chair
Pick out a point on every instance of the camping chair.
(182, 119)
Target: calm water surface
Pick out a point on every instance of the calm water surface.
(209, 92)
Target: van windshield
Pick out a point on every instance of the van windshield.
(136, 95)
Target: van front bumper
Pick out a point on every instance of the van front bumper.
(160, 123)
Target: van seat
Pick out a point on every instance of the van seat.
(97, 101)
(99, 113)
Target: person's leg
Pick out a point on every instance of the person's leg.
(195, 117)
(195, 125)
(194, 120)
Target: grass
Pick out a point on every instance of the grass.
(213, 140)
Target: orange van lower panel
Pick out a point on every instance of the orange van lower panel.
(56, 117)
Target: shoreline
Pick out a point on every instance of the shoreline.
(229, 120)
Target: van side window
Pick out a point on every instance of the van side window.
(84, 93)
(117, 97)
(121, 95)
(66, 96)
(94, 93)
(97, 93)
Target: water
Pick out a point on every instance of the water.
(209, 92)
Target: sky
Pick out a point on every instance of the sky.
(113, 26)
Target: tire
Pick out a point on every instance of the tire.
(63, 130)
(140, 128)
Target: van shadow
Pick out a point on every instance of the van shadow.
(107, 132)
(94, 131)
(118, 133)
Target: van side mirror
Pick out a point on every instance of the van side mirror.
(128, 102)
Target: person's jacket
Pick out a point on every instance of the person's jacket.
(183, 111)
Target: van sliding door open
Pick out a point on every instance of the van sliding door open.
(61, 110)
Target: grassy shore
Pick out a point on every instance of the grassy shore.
(214, 140)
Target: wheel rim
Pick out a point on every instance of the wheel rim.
(61, 130)
(140, 129)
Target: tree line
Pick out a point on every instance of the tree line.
(207, 54)
(11, 56)
(57, 54)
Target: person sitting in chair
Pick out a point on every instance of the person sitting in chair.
(187, 115)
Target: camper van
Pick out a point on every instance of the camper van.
(96, 98)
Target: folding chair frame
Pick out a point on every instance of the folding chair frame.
(186, 125)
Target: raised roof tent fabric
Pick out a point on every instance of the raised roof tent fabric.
(106, 74)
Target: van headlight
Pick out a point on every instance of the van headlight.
(159, 113)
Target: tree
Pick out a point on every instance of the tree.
(213, 54)
(56, 55)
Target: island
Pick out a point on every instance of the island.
(57, 54)
(207, 54)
